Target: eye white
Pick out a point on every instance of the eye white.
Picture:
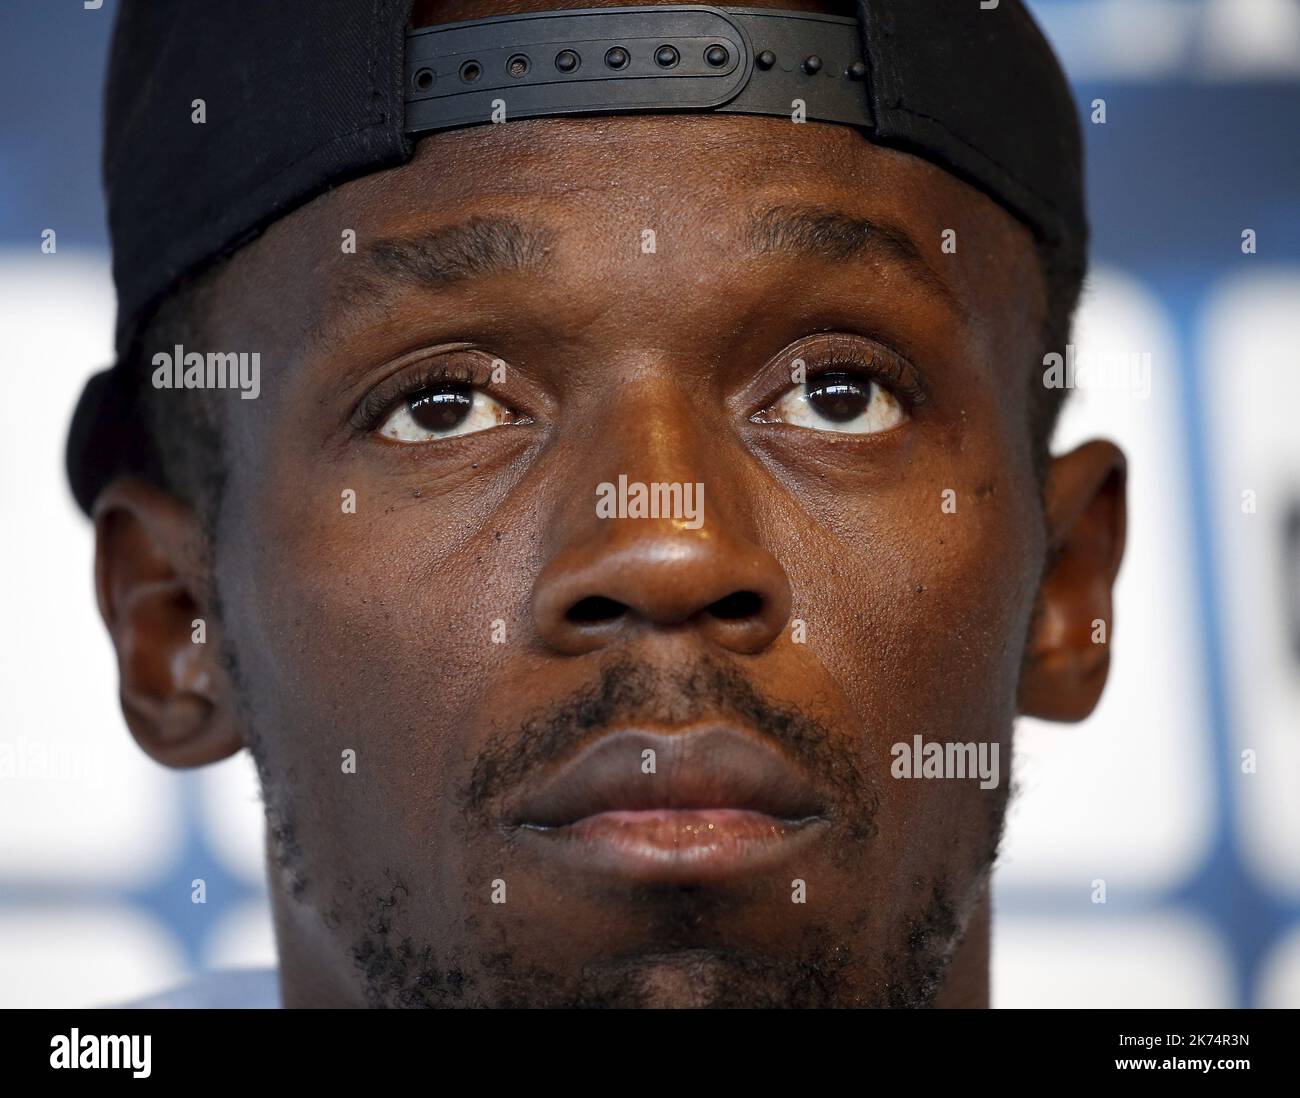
(880, 412)
(483, 413)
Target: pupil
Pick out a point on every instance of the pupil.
(441, 409)
(839, 399)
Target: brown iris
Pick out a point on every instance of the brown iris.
(441, 410)
(839, 398)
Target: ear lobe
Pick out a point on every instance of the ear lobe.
(1067, 655)
(150, 581)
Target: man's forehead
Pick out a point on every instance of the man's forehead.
(564, 192)
(452, 254)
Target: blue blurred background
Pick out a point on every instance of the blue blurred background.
(1180, 793)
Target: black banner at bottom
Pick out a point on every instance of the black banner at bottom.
(369, 1047)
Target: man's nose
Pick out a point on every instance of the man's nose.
(650, 575)
(608, 579)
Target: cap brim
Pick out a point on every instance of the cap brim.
(105, 438)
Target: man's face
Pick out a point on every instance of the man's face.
(599, 758)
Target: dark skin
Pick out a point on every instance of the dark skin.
(372, 631)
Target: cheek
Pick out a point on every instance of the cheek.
(925, 617)
(370, 631)
(923, 628)
(370, 635)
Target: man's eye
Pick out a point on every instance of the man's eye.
(444, 411)
(846, 403)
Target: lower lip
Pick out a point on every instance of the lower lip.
(678, 844)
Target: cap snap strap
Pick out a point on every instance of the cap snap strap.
(600, 60)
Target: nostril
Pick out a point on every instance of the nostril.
(739, 604)
(594, 609)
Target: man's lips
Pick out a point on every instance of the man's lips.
(710, 801)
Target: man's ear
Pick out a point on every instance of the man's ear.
(151, 579)
(1067, 655)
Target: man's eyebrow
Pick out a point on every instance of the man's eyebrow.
(478, 247)
(833, 235)
(482, 245)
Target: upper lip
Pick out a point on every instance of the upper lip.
(702, 767)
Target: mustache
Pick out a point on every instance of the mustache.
(627, 691)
